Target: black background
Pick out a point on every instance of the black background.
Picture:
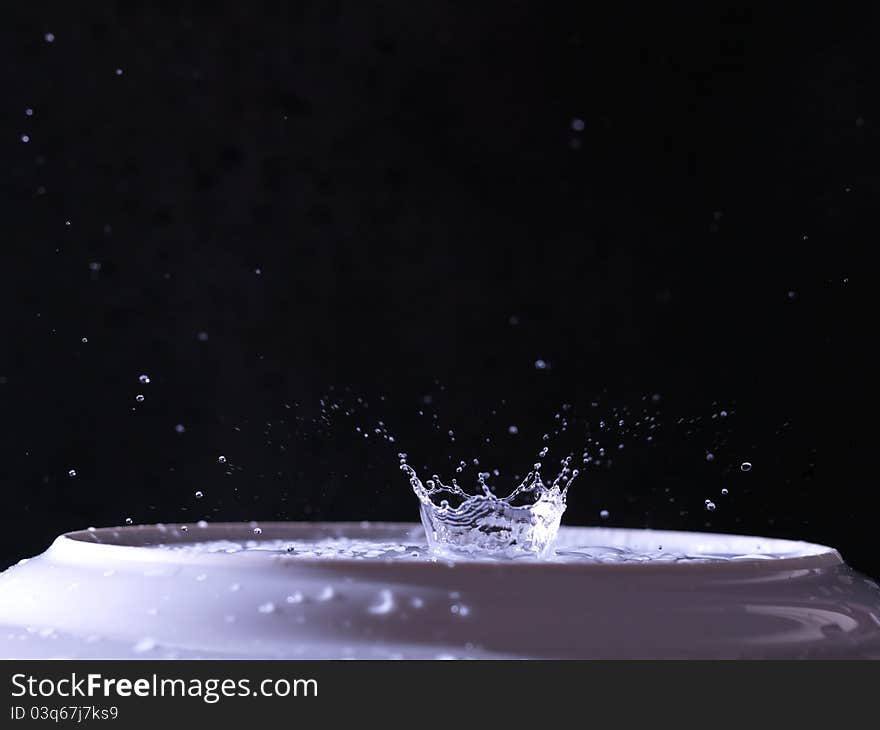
(274, 204)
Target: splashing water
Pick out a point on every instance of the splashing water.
(524, 523)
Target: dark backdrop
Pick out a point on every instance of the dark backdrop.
(401, 207)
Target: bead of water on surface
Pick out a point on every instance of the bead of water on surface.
(221, 459)
(139, 398)
(603, 514)
(258, 530)
(746, 466)
(179, 428)
(710, 456)
(710, 505)
(71, 473)
(512, 430)
(129, 521)
(199, 494)
(540, 364)
(724, 491)
(384, 604)
(144, 379)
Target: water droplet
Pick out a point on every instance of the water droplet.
(384, 605)
(119, 72)
(746, 466)
(49, 37)
(710, 456)
(221, 459)
(512, 430)
(139, 398)
(258, 530)
(144, 379)
(577, 125)
(710, 505)
(84, 340)
(724, 491)
(25, 138)
(267, 607)
(129, 521)
(295, 597)
(541, 365)
(199, 494)
(604, 514)
(179, 428)
(71, 473)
